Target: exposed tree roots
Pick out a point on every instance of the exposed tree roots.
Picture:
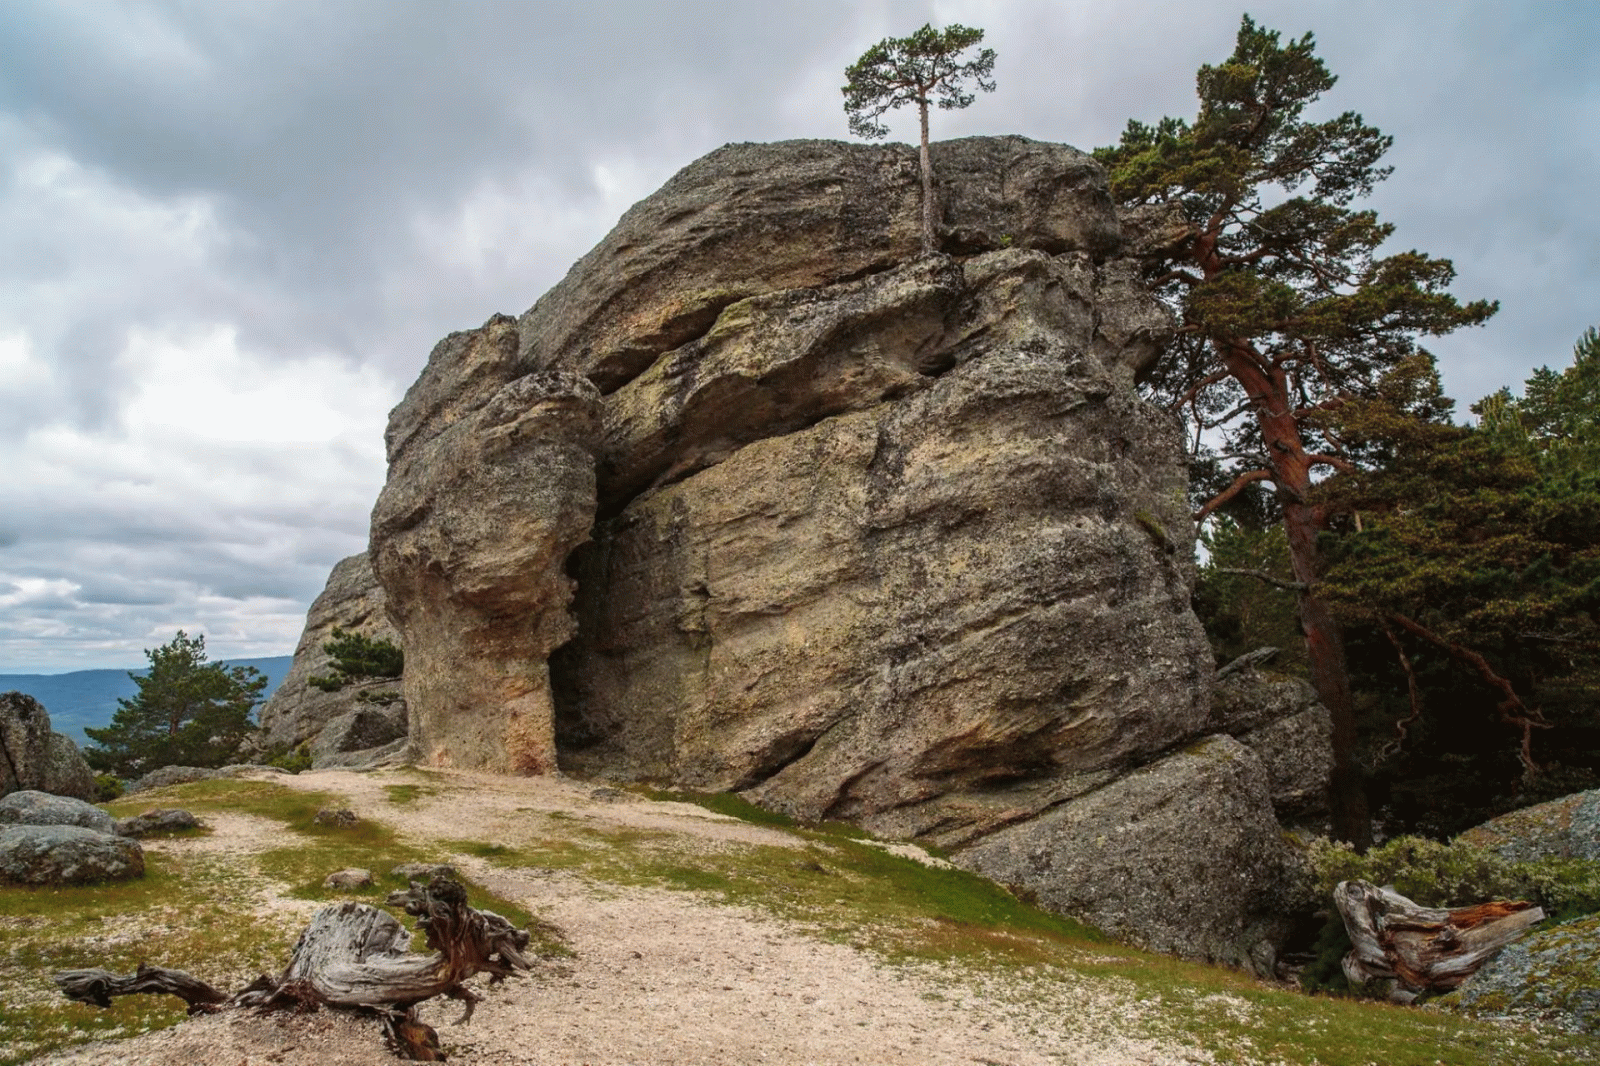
(357, 957)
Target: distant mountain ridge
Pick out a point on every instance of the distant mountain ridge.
(89, 697)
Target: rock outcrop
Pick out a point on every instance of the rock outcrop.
(1565, 828)
(865, 534)
(1182, 856)
(298, 711)
(33, 756)
(1282, 722)
(491, 487)
(1553, 975)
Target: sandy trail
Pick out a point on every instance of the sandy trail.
(660, 977)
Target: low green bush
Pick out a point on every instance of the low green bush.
(1457, 874)
(108, 787)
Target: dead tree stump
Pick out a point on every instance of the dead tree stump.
(1422, 949)
(358, 957)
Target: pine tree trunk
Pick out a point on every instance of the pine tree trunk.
(1330, 676)
(1290, 467)
(927, 182)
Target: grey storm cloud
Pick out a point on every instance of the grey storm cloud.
(230, 233)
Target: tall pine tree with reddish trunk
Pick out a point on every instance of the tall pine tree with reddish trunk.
(1287, 307)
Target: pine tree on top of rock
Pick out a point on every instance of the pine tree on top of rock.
(916, 70)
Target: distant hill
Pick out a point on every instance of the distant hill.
(89, 697)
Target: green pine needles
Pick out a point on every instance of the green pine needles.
(188, 712)
(921, 69)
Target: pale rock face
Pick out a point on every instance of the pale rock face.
(1181, 856)
(916, 583)
(297, 711)
(486, 498)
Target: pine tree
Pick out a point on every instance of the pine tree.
(1287, 307)
(188, 712)
(915, 70)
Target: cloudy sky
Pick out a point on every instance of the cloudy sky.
(230, 233)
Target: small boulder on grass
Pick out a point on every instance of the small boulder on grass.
(30, 807)
(66, 855)
(340, 817)
(165, 820)
(354, 877)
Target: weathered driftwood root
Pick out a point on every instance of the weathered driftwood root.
(355, 956)
(1422, 949)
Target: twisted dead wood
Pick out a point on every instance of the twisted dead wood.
(1423, 949)
(354, 956)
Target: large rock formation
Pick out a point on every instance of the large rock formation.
(872, 535)
(34, 756)
(298, 711)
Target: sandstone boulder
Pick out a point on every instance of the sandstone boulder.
(298, 711)
(33, 756)
(1281, 720)
(66, 855)
(165, 776)
(353, 877)
(871, 535)
(1181, 856)
(41, 808)
(470, 539)
(385, 756)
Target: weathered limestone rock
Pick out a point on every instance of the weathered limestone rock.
(353, 877)
(902, 548)
(1565, 828)
(165, 776)
(470, 539)
(875, 535)
(395, 753)
(33, 756)
(297, 712)
(1283, 723)
(359, 730)
(749, 219)
(1181, 856)
(66, 855)
(41, 808)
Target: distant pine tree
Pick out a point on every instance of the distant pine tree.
(188, 712)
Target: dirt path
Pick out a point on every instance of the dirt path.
(661, 977)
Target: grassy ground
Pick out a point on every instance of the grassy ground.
(186, 913)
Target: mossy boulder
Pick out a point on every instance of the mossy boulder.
(1565, 828)
(1552, 975)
